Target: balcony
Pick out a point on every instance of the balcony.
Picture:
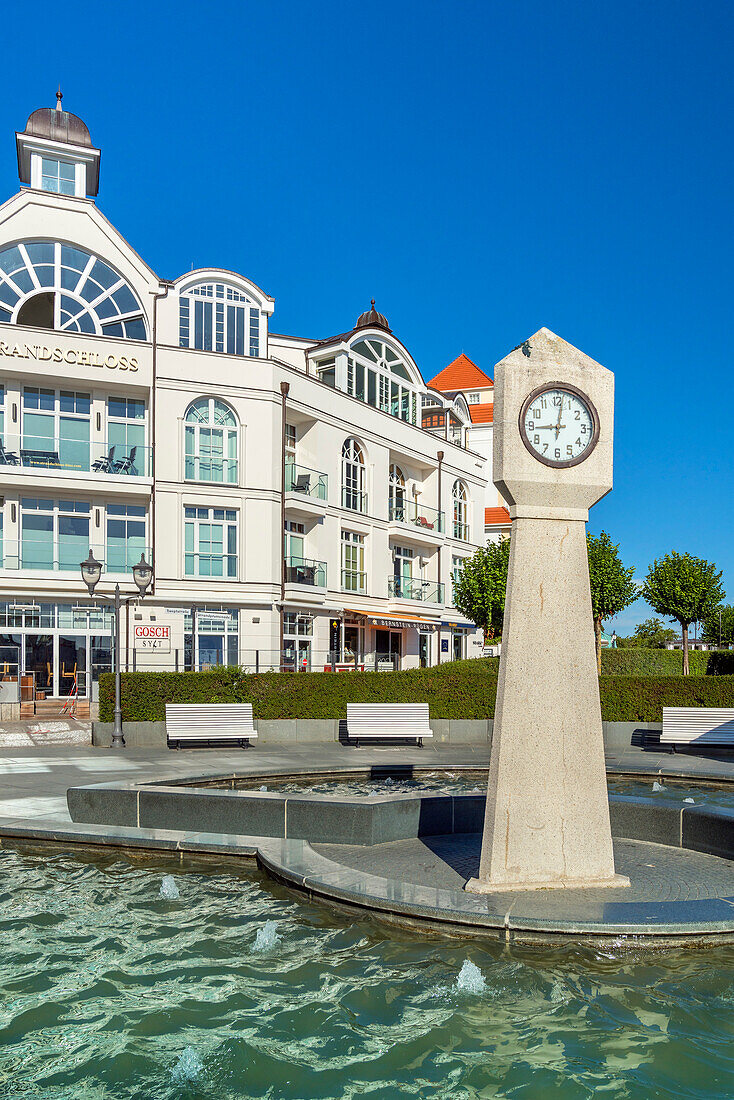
(412, 588)
(352, 581)
(45, 555)
(415, 523)
(74, 456)
(222, 566)
(354, 500)
(305, 571)
(300, 479)
(307, 491)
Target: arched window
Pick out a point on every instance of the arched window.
(353, 494)
(219, 317)
(397, 493)
(379, 375)
(461, 527)
(210, 444)
(57, 286)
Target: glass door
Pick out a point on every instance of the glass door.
(211, 651)
(72, 665)
(39, 663)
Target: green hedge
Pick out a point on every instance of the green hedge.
(459, 689)
(665, 662)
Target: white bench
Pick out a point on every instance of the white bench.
(388, 721)
(209, 722)
(702, 726)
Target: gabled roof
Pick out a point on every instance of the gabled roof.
(494, 517)
(462, 374)
(482, 414)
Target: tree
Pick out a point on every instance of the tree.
(612, 587)
(479, 589)
(719, 630)
(652, 634)
(685, 589)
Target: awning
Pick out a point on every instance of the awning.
(395, 622)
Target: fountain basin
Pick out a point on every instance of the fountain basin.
(366, 852)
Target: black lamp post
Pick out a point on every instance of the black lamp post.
(142, 575)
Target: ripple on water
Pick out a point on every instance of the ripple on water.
(107, 990)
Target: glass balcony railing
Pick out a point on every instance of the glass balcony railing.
(408, 511)
(75, 455)
(305, 571)
(66, 556)
(412, 588)
(214, 468)
(312, 483)
(210, 565)
(460, 530)
(354, 500)
(353, 581)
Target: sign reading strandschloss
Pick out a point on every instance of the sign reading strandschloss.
(73, 356)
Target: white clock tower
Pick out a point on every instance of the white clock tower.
(547, 817)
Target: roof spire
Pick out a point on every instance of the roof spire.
(59, 97)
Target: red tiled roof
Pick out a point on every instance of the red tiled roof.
(482, 414)
(462, 374)
(495, 516)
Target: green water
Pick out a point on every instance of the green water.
(109, 990)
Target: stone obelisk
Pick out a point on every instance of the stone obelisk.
(547, 816)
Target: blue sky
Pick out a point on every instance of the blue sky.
(481, 169)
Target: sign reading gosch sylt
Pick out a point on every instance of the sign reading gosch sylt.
(74, 356)
(153, 637)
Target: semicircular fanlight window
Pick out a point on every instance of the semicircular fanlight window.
(88, 295)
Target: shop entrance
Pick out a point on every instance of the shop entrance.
(458, 646)
(424, 643)
(388, 645)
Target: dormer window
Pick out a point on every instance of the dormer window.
(473, 398)
(58, 176)
(219, 317)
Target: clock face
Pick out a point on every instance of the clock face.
(559, 425)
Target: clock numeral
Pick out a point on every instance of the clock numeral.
(583, 429)
(578, 414)
(536, 439)
(569, 449)
(536, 414)
(558, 452)
(545, 448)
(558, 401)
(578, 442)
(531, 426)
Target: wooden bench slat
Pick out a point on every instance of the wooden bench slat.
(209, 722)
(395, 721)
(698, 725)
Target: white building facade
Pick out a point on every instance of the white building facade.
(295, 510)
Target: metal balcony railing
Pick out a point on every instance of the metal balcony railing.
(412, 588)
(62, 453)
(305, 571)
(214, 468)
(353, 499)
(66, 556)
(352, 581)
(300, 479)
(210, 565)
(408, 511)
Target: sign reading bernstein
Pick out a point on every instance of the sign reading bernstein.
(73, 356)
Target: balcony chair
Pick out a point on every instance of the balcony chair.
(8, 458)
(127, 464)
(105, 464)
(302, 484)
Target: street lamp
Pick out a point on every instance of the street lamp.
(143, 576)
